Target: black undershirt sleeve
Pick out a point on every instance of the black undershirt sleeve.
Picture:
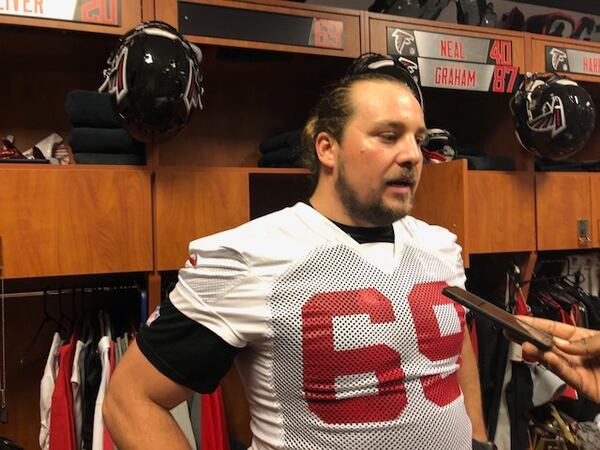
(184, 350)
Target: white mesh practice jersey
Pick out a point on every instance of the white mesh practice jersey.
(342, 351)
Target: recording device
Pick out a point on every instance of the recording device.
(521, 331)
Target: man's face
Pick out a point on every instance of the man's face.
(379, 160)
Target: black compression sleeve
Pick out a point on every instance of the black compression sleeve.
(184, 350)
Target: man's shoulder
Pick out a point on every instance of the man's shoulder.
(285, 224)
(433, 240)
(422, 231)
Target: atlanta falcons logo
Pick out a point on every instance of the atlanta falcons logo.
(558, 56)
(552, 118)
(403, 39)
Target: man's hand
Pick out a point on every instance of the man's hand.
(575, 356)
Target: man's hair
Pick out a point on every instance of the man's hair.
(331, 115)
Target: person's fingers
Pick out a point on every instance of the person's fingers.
(558, 329)
(563, 367)
(532, 351)
(588, 346)
(555, 361)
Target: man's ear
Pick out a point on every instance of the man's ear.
(326, 148)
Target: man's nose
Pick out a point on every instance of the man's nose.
(409, 152)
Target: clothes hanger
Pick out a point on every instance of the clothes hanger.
(48, 320)
(65, 321)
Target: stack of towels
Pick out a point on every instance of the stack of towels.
(97, 136)
(282, 150)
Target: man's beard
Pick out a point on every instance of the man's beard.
(373, 210)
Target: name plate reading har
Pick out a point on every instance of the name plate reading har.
(559, 59)
(455, 62)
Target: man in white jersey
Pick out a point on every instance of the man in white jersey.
(331, 309)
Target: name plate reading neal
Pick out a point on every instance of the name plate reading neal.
(559, 59)
(101, 12)
(455, 62)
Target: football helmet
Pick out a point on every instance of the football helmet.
(553, 115)
(154, 79)
(376, 62)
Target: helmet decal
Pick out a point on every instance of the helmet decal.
(118, 80)
(551, 117)
(191, 97)
(410, 65)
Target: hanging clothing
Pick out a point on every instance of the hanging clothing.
(76, 389)
(107, 440)
(104, 353)
(194, 404)
(91, 386)
(46, 389)
(62, 428)
(213, 423)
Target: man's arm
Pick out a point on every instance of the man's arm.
(468, 379)
(137, 403)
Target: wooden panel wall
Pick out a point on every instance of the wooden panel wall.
(192, 204)
(501, 212)
(561, 200)
(75, 220)
(441, 199)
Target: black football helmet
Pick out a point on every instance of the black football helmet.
(376, 62)
(154, 80)
(553, 115)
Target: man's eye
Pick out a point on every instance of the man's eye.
(422, 141)
(388, 137)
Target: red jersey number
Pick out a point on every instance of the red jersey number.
(422, 300)
(323, 364)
